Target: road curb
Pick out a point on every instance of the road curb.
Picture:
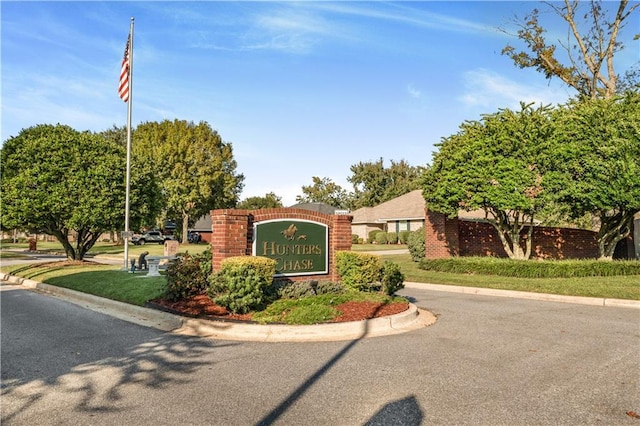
(411, 319)
(593, 301)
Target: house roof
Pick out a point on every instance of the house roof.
(408, 206)
(316, 207)
(405, 207)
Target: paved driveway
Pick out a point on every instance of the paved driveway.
(487, 361)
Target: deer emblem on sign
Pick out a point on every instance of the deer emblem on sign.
(290, 233)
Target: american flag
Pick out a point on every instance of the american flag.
(123, 90)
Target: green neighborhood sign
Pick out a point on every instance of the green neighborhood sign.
(300, 247)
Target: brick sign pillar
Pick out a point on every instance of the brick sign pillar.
(232, 233)
(229, 235)
(441, 236)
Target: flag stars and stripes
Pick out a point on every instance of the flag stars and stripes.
(123, 89)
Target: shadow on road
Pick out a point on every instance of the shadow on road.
(87, 370)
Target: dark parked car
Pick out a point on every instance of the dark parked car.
(150, 237)
(193, 237)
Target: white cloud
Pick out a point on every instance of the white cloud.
(489, 90)
(413, 91)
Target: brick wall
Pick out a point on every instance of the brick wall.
(441, 236)
(233, 233)
(450, 237)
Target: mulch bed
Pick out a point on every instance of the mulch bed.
(202, 306)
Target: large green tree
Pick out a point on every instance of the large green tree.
(324, 190)
(494, 165)
(71, 185)
(597, 164)
(585, 60)
(374, 183)
(195, 168)
(269, 201)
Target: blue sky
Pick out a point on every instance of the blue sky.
(300, 89)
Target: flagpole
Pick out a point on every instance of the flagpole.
(129, 104)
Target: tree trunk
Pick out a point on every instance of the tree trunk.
(185, 227)
(612, 230)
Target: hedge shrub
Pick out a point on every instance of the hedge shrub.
(372, 235)
(366, 272)
(391, 278)
(392, 238)
(381, 238)
(187, 275)
(403, 236)
(415, 244)
(242, 282)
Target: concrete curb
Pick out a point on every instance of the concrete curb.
(411, 319)
(593, 301)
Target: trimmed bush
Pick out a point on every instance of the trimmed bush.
(355, 238)
(392, 278)
(381, 238)
(359, 271)
(298, 289)
(372, 235)
(415, 243)
(532, 269)
(392, 238)
(403, 236)
(187, 276)
(242, 282)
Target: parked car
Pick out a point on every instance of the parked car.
(150, 237)
(193, 237)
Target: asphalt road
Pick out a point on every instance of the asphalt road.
(486, 361)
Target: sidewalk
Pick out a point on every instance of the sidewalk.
(593, 301)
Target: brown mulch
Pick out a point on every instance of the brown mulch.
(202, 306)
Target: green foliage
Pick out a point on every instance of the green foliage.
(359, 271)
(242, 282)
(381, 238)
(392, 237)
(195, 168)
(269, 201)
(374, 184)
(596, 169)
(187, 276)
(524, 269)
(403, 237)
(298, 289)
(59, 181)
(496, 165)
(315, 309)
(366, 272)
(392, 278)
(372, 235)
(416, 244)
(355, 239)
(324, 191)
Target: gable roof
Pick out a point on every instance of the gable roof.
(408, 206)
(315, 207)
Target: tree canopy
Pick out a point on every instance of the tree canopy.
(597, 164)
(590, 50)
(195, 168)
(71, 185)
(324, 190)
(269, 201)
(494, 165)
(374, 183)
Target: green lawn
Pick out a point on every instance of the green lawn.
(615, 287)
(111, 282)
(109, 249)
